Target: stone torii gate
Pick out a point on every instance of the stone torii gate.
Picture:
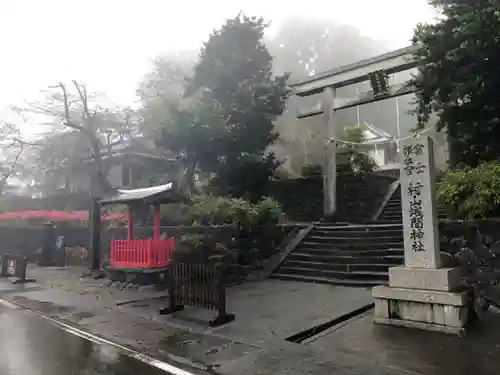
(376, 70)
(421, 294)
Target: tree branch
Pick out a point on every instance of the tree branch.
(67, 116)
(12, 168)
(82, 93)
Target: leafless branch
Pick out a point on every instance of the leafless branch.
(67, 116)
(82, 93)
(11, 169)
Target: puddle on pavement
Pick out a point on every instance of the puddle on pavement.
(42, 306)
(49, 308)
(81, 315)
(31, 345)
(8, 288)
(203, 348)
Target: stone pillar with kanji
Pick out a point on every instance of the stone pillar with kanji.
(421, 294)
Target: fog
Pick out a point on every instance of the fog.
(109, 44)
(117, 48)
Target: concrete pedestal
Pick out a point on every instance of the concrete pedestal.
(439, 279)
(423, 299)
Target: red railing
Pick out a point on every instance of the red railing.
(148, 253)
(57, 215)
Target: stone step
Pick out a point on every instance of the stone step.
(332, 224)
(391, 221)
(357, 227)
(397, 208)
(351, 245)
(375, 267)
(370, 233)
(346, 259)
(393, 211)
(334, 238)
(393, 206)
(393, 203)
(398, 215)
(367, 253)
(392, 216)
(331, 281)
(398, 218)
(358, 275)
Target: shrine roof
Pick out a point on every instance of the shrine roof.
(155, 194)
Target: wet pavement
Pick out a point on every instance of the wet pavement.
(140, 329)
(267, 313)
(29, 344)
(416, 351)
(274, 309)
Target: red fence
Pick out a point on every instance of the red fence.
(148, 253)
(56, 215)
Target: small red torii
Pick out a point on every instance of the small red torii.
(143, 253)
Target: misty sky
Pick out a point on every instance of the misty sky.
(109, 43)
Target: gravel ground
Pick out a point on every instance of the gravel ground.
(70, 279)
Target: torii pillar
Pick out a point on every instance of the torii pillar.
(332, 130)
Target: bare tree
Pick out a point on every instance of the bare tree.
(71, 108)
(12, 148)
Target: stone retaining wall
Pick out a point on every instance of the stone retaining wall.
(27, 240)
(302, 198)
(474, 246)
(359, 195)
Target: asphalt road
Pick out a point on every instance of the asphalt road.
(32, 345)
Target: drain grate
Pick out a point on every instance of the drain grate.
(313, 331)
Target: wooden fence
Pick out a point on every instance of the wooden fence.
(201, 286)
(14, 266)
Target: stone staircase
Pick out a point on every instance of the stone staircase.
(392, 212)
(350, 255)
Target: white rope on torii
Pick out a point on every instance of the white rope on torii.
(430, 132)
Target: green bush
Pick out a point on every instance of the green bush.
(173, 213)
(254, 225)
(199, 248)
(269, 212)
(283, 174)
(211, 210)
(351, 158)
(470, 193)
(311, 170)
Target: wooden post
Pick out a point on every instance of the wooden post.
(130, 226)
(95, 235)
(3, 272)
(220, 271)
(174, 275)
(156, 222)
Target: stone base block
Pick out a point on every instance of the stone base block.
(440, 279)
(459, 331)
(424, 309)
